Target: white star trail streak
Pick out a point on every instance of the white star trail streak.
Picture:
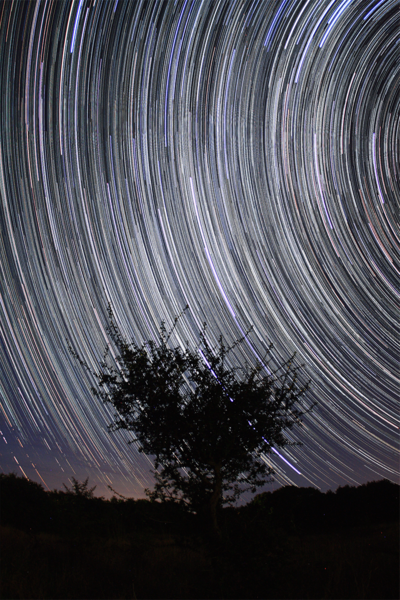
(240, 157)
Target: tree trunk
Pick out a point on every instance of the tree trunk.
(214, 500)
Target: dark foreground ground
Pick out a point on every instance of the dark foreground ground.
(293, 543)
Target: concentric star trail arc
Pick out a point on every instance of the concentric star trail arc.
(239, 157)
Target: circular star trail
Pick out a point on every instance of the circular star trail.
(239, 157)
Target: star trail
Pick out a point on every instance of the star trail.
(239, 157)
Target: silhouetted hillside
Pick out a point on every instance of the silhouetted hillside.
(290, 543)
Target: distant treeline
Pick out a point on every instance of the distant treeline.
(373, 502)
(27, 506)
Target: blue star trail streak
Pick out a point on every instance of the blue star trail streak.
(241, 157)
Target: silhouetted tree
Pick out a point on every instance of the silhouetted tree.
(208, 425)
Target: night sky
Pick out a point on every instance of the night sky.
(239, 157)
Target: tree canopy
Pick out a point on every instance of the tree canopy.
(208, 425)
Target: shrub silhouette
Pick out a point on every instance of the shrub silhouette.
(80, 489)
